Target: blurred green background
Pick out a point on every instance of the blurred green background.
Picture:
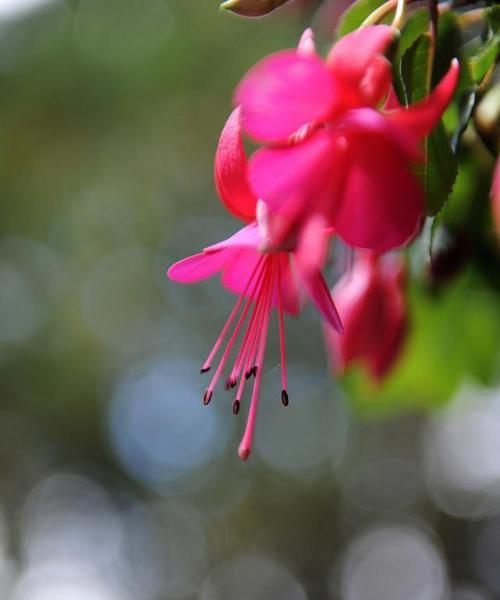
(115, 482)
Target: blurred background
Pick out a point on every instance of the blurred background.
(115, 482)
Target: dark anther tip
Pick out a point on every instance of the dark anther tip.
(228, 383)
(236, 407)
(253, 371)
(248, 374)
(207, 396)
(204, 370)
(234, 382)
(284, 397)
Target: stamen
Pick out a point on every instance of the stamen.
(246, 344)
(230, 319)
(246, 442)
(284, 386)
(207, 396)
(259, 285)
(236, 407)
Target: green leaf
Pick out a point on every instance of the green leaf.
(440, 170)
(492, 18)
(355, 15)
(485, 52)
(481, 63)
(440, 167)
(415, 69)
(452, 337)
(415, 26)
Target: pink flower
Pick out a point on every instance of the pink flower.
(263, 281)
(371, 303)
(332, 150)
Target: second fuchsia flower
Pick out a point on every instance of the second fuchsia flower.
(332, 150)
(371, 302)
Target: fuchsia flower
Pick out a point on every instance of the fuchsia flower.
(333, 151)
(263, 280)
(371, 303)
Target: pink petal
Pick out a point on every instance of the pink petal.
(239, 269)
(248, 236)
(365, 121)
(289, 178)
(313, 244)
(284, 92)
(319, 294)
(198, 267)
(420, 118)
(382, 358)
(359, 298)
(382, 204)
(231, 170)
(358, 66)
(291, 295)
(353, 53)
(392, 100)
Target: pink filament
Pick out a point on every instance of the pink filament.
(264, 282)
(246, 442)
(258, 286)
(230, 319)
(282, 335)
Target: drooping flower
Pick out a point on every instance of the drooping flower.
(372, 306)
(333, 150)
(263, 281)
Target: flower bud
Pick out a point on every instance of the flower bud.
(371, 303)
(252, 8)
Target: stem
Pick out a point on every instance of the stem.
(379, 13)
(399, 16)
(433, 32)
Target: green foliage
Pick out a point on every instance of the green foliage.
(452, 334)
(355, 15)
(415, 69)
(486, 51)
(440, 169)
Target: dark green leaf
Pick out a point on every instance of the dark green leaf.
(440, 169)
(492, 17)
(481, 63)
(416, 25)
(484, 53)
(355, 15)
(415, 69)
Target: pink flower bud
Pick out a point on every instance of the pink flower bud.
(371, 303)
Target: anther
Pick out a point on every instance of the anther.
(236, 407)
(284, 397)
(205, 369)
(207, 396)
(230, 383)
